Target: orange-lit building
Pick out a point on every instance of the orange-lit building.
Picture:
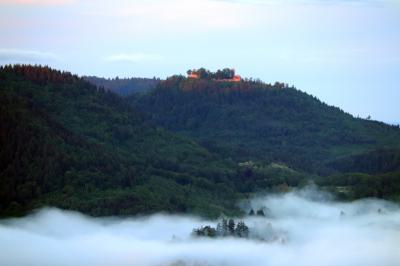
(236, 78)
(193, 75)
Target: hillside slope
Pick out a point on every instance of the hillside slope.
(65, 143)
(252, 120)
(70, 144)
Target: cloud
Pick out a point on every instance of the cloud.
(322, 2)
(133, 58)
(173, 15)
(302, 228)
(25, 56)
(35, 2)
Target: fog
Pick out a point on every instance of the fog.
(299, 228)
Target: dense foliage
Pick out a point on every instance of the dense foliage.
(225, 228)
(373, 162)
(360, 185)
(251, 120)
(220, 74)
(67, 143)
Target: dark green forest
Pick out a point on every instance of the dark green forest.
(66, 143)
(192, 146)
(252, 120)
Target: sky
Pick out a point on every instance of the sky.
(345, 52)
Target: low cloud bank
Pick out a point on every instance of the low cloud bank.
(300, 228)
(11, 56)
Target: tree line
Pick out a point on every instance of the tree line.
(226, 73)
(225, 228)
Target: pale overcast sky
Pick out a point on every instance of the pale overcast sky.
(347, 53)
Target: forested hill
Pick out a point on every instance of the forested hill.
(124, 86)
(66, 143)
(263, 122)
(199, 146)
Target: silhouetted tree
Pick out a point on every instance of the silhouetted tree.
(231, 226)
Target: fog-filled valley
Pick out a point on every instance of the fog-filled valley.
(302, 227)
(91, 178)
(199, 133)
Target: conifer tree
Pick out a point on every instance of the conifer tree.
(224, 227)
(242, 230)
(231, 226)
(260, 212)
(220, 230)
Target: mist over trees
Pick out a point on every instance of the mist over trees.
(302, 222)
(225, 228)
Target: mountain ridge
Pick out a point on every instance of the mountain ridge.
(124, 86)
(70, 144)
(249, 114)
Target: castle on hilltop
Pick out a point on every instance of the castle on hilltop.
(224, 75)
(193, 75)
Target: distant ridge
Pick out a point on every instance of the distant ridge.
(259, 121)
(124, 86)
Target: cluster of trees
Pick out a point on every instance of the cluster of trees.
(39, 74)
(226, 73)
(225, 228)
(259, 212)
